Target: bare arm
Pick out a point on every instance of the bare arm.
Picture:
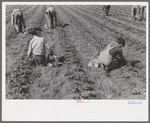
(30, 51)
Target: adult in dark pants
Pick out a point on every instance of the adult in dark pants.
(106, 9)
(17, 20)
(51, 17)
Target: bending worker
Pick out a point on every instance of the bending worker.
(112, 56)
(38, 49)
(51, 17)
(17, 20)
(143, 11)
(135, 11)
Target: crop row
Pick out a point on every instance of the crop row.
(126, 18)
(79, 29)
(87, 29)
(84, 27)
(115, 19)
(114, 32)
(126, 34)
(117, 16)
(114, 9)
(11, 7)
(75, 69)
(122, 8)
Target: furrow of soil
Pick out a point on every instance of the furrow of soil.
(75, 69)
(118, 8)
(118, 16)
(122, 9)
(8, 12)
(105, 39)
(98, 76)
(11, 7)
(115, 21)
(99, 9)
(84, 42)
(97, 23)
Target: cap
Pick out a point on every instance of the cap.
(34, 31)
(121, 41)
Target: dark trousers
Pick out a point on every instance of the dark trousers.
(39, 60)
(19, 22)
(52, 20)
(106, 9)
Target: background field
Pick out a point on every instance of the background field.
(82, 31)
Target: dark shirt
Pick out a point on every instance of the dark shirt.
(115, 51)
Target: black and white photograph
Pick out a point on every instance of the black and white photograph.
(83, 52)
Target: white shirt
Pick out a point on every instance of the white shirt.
(37, 46)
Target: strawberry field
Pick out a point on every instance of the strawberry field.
(82, 31)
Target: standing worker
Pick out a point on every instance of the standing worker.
(51, 17)
(17, 20)
(106, 9)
